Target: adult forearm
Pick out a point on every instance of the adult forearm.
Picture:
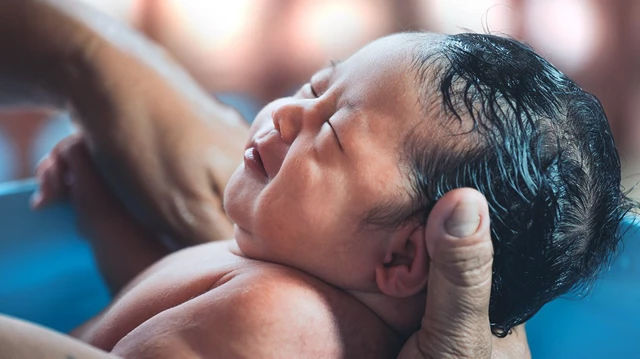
(165, 146)
(38, 46)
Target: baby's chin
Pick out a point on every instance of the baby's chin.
(245, 243)
(236, 197)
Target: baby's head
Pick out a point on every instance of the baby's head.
(541, 151)
(339, 179)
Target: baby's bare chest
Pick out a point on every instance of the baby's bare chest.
(192, 290)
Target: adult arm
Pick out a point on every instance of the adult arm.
(456, 320)
(168, 146)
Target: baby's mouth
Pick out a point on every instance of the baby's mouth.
(253, 160)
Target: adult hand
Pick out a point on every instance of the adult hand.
(456, 320)
(163, 145)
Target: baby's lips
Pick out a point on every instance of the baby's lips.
(272, 152)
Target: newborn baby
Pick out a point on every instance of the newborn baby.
(330, 205)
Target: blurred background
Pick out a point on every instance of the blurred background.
(248, 52)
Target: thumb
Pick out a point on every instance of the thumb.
(456, 321)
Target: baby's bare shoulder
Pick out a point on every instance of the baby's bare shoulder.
(273, 310)
(261, 310)
(285, 302)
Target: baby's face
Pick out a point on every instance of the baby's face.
(318, 162)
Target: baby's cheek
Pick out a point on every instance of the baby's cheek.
(260, 123)
(323, 199)
(239, 197)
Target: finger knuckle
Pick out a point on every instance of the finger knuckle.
(466, 266)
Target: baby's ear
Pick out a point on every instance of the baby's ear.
(405, 269)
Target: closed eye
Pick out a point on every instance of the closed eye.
(335, 134)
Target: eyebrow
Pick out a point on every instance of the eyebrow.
(333, 64)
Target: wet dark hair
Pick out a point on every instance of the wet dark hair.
(541, 151)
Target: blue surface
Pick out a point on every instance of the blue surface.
(604, 324)
(47, 272)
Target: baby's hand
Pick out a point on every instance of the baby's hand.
(121, 246)
(68, 173)
(53, 173)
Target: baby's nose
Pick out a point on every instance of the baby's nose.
(287, 119)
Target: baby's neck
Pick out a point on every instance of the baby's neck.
(403, 315)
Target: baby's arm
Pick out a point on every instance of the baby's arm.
(122, 247)
(162, 142)
(20, 339)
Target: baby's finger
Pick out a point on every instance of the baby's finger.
(37, 200)
(88, 187)
(50, 174)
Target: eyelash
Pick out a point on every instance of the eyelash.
(315, 94)
(313, 91)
